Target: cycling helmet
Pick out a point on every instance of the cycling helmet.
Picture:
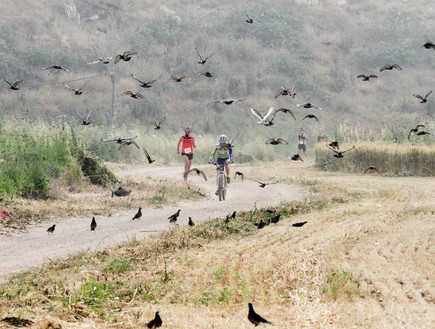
(223, 139)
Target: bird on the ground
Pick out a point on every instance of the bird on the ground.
(85, 122)
(158, 123)
(310, 116)
(423, 99)
(206, 74)
(299, 224)
(17, 321)
(14, 86)
(390, 67)
(229, 101)
(202, 59)
(128, 142)
(239, 173)
(120, 192)
(178, 79)
(296, 157)
(125, 56)
(339, 154)
(275, 219)
(264, 120)
(250, 20)
(138, 214)
(56, 67)
(273, 141)
(263, 185)
(93, 224)
(308, 105)
(150, 160)
(415, 130)
(284, 110)
(260, 224)
(371, 169)
(155, 323)
(133, 95)
(284, 92)
(51, 229)
(334, 145)
(101, 60)
(198, 172)
(145, 84)
(76, 91)
(366, 77)
(173, 218)
(254, 317)
(231, 216)
(191, 223)
(428, 44)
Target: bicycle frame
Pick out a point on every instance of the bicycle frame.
(221, 181)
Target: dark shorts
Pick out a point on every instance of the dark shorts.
(189, 156)
(222, 161)
(302, 147)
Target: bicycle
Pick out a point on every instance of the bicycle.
(221, 181)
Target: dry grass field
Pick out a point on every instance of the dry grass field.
(364, 259)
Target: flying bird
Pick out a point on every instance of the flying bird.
(173, 218)
(366, 77)
(150, 160)
(428, 44)
(178, 79)
(264, 120)
(76, 91)
(415, 130)
(423, 99)
(310, 116)
(286, 92)
(85, 122)
(120, 192)
(101, 60)
(250, 20)
(238, 173)
(308, 105)
(51, 229)
(263, 185)
(254, 317)
(128, 142)
(202, 59)
(126, 56)
(138, 214)
(339, 154)
(198, 172)
(93, 224)
(14, 86)
(284, 110)
(207, 74)
(421, 133)
(334, 145)
(371, 168)
(133, 95)
(191, 223)
(296, 157)
(145, 84)
(299, 224)
(277, 141)
(56, 67)
(229, 101)
(155, 323)
(390, 67)
(119, 140)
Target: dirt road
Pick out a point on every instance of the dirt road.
(22, 251)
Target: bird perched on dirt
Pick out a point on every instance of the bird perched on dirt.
(371, 169)
(265, 120)
(138, 214)
(85, 122)
(277, 141)
(390, 67)
(428, 44)
(101, 60)
(198, 172)
(339, 154)
(260, 224)
(275, 219)
(310, 116)
(76, 91)
(93, 224)
(150, 160)
(250, 20)
(366, 77)
(284, 92)
(202, 59)
(415, 130)
(126, 56)
(230, 217)
(207, 75)
(173, 218)
(155, 323)
(299, 224)
(56, 67)
(178, 79)
(229, 101)
(51, 229)
(296, 157)
(145, 84)
(239, 173)
(133, 95)
(308, 105)
(263, 185)
(254, 317)
(284, 110)
(14, 86)
(191, 223)
(120, 192)
(423, 99)
(334, 145)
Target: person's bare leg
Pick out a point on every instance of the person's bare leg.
(187, 164)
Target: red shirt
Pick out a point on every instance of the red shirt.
(187, 144)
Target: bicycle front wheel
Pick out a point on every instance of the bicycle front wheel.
(221, 187)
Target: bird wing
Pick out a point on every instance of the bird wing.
(269, 113)
(397, 66)
(10, 84)
(348, 149)
(430, 92)
(135, 144)
(270, 141)
(281, 141)
(137, 79)
(373, 76)
(279, 93)
(257, 114)
(418, 96)
(361, 76)
(127, 93)
(285, 110)
(80, 89)
(332, 148)
(259, 15)
(129, 53)
(139, 95)
(314, 105)
(88, 115)
(68, 86)
(208, 57)
(303, 104)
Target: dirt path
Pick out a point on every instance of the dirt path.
(22, 251)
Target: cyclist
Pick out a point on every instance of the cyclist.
(223, 155)
(187, 143)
